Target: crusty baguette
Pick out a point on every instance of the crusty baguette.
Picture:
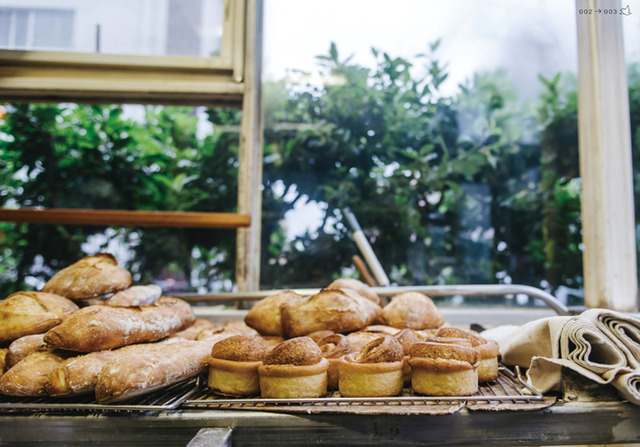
(165, 364)
(26, 313)
(89, 277)
(98, 328)
(192, 332)
(29, 376)
(78, 375)
(24, 346)
(135, 296)
(3, 360)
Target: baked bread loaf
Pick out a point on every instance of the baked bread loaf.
(412, 310)
(443, 369)
(78, 375)
(294, 369)
(26, 313)
(335, 310)
(358, 286)
(264, 316)
(162, 365)
(192, 332)
(233, 367)
(3, 360)
(488, 351)
(135, 296)
(29, 376)
(334, 347)
(97, 328)
(89, 277)
(23, 346)
(376, 371)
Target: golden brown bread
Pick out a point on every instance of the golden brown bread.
(141, 373)
(135, 296)
(295, 368)
(357, 286)
(488, 351)
(334, 347)
(3, 360)
(412, 310)
(382, 349)
(335, 310)
(29, 376)
(23, 346)
(295, 351)
(192, 332)
(319, 335)
(407, 338)
(381, 329)
(265, 317)
(78, 375)
(241, 348)
(89, 277)
(97, 328)
(377, 370)
(439, 369)
(26, 313)
(233, 367)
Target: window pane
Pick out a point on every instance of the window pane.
(454, 142)
(5, 27)
(134, 27)
(52, 29)
(119, 157)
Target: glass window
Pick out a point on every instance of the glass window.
(126, 27)
(449, 129)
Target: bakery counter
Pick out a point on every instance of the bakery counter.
(568, 423)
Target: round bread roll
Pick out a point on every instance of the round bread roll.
(357, 286)
(376, 371)
(233, 367)
(265, 316)
(412, 310)
(294, 369)
(439, 369)
(407, 338)
(488, 350)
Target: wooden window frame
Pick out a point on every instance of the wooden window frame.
(231, 80)
(608, 222)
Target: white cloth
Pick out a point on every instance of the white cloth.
(599, 344)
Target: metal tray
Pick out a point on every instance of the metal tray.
(165, 399)
(507, 388)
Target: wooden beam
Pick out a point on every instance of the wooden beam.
(608, 221)
(250, 169)
(126, 218)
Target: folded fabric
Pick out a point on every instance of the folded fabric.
(599, 344)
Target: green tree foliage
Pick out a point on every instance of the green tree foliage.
(448, 188)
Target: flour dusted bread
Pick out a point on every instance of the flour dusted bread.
(375, 371)
(412, 310)
(161, 365)
(439, 369)
(233, 367)
(336, 310)
(265, 317)
(29, 376)
(97, 328)
(135, 296)
(26, 313)
(23, 346)
(78, 375)
(89, 277)
(294, 369)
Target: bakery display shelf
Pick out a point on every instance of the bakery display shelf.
(168, 398)
(507, 388)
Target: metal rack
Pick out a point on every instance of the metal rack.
(509, 387)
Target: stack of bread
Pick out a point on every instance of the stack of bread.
(343, 338)
(90, 331)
